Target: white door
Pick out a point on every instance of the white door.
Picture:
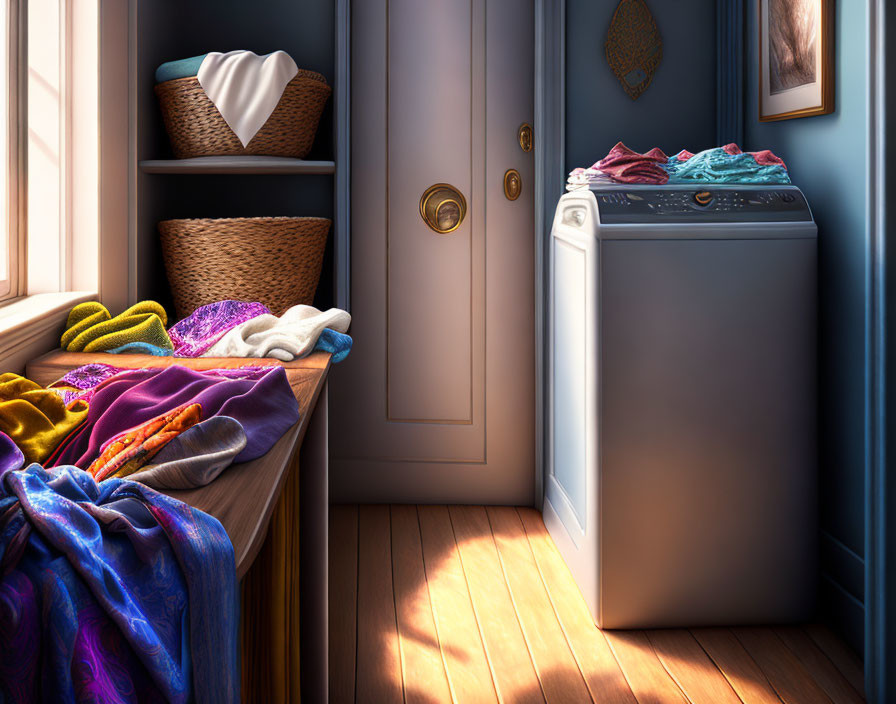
(436, 401)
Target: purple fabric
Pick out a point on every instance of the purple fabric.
(207, 324)
(79, 383)
(11, 456)
(87, 376)
(261, 400)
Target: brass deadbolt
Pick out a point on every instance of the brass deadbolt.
(513, 184)
(525, 137)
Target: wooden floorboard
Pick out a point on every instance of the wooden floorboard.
(433, 604)
(378, 677)
(642, 668)
(605, 680)
(423, 670)
(691, 668)
(508, 653)
(468, 668)
(558, 671)
(840, 654)
(343, 602)
(791, 680)
(741, 671)
(819, 666)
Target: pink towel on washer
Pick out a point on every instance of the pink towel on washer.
(628, 166)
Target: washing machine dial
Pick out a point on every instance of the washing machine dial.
(703, 197)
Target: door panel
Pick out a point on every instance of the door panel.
(431, 111)
(436, 401)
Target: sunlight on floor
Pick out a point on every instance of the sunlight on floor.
(434, 604)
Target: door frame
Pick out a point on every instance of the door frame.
(550, 155)
(880, 495)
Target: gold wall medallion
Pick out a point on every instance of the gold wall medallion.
(634, 46)
(525, 137)
(443, 208)
(513, 184)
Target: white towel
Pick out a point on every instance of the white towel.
(292, 335)
(246, 87)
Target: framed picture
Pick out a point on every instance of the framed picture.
(796, 52)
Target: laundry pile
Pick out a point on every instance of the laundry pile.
(222, 329)
(168, 427)
(110, 590)
(149, 424)
(726, 164)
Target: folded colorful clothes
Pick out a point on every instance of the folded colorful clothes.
(90, 327)
(293, 334)
(111, 592)
(580, 178)
(35, 418)
(260, 398)
(207, 324)
(196, 457)
(628, 166)
(727, 164)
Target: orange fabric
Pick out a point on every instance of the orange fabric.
(127, 453)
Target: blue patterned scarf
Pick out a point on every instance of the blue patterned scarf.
(111, 592)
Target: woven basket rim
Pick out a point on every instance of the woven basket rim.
(303, 73)
(271, 219)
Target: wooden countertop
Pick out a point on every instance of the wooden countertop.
(244, 495)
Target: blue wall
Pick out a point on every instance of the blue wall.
(827, 159)
(678, 110)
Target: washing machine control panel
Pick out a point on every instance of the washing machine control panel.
(719, 204)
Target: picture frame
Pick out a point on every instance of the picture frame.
(796, 58)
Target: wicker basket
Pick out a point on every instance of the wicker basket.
(275, 261)
(196, 128)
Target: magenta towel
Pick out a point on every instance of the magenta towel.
(261, 401)
(628, 166)
(207, 324)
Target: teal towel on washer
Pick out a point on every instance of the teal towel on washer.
(184, 68)
(719, 166)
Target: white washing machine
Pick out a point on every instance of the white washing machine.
(681, 484)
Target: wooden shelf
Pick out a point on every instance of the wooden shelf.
(237, 165)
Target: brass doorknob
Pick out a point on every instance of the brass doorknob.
(443, 208)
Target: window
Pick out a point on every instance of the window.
(9, 167)
(50, 146)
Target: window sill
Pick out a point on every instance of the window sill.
(32, 318)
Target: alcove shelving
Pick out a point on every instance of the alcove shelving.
(314, 33)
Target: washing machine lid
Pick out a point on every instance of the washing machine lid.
(622, 204)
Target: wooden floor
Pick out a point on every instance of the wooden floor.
(472, 604)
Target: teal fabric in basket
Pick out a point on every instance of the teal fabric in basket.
(184, 68)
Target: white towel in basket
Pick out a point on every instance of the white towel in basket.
(246, 87)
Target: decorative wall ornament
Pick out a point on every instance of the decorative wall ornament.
(634, 46)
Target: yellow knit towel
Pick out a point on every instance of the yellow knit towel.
(36, 419)
(92, 329)
(82, 317)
